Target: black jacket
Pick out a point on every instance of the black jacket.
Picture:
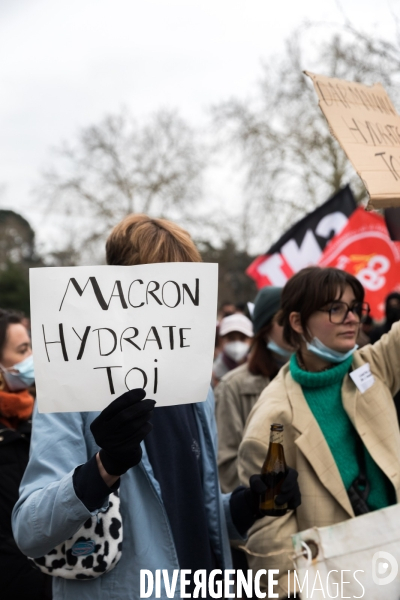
(19, 580)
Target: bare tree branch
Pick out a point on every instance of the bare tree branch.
(279, 137)
(118, 167)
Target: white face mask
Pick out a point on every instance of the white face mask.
(274, 347)
(333, 356)
(236, 350)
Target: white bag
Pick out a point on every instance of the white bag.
(93, 550)
(358, 558)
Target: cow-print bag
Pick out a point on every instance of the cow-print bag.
(94, 549)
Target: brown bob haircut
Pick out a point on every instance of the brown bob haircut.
(309, 290)
(139, 240)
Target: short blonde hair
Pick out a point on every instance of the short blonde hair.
(140, 240)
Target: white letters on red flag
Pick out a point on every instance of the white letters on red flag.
(302, 244)
(364, 249)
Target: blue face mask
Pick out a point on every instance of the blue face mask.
(274, 347)
(24, 376)
(333, 356)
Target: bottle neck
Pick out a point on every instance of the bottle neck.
(276, 437)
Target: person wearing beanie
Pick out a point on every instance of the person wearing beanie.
(239, 390)
(235, 334)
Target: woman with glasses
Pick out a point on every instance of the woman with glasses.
(335, 403)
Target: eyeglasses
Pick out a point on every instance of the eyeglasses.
(339, 310)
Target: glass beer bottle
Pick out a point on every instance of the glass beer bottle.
(273, 473)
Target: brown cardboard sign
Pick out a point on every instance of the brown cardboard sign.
(364, 121)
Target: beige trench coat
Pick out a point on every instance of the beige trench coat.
(235, 396)
(324, 497)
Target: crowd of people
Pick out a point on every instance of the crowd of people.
(181, 485)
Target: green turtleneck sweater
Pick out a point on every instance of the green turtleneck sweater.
(323, 394)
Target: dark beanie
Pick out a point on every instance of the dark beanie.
(266, 305)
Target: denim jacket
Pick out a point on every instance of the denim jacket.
(48, 511)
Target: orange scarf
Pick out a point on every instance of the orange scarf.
(15, 407)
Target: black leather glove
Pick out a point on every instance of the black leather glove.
(120, 428)
(290, 491)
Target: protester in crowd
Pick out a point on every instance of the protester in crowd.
(235, 334)
(239, 389)
(174, 515)
(225, 310)
(19, 579)
(392, 315)
(340, 426)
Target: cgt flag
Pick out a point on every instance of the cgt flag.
(304, 243)
(364, 249)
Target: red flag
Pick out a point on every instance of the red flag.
(303, 243)
(270, 270)
(364, 249)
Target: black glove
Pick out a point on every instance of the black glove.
(290, 491)
(120, 428)
(245, 502)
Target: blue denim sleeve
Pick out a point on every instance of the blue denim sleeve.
(233, 531)
(48, 510)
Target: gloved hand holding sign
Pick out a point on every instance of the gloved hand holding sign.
(120, 428)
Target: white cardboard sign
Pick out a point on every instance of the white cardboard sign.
(364, 121)
(99, 331)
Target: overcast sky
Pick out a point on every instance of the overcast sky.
(65, 64)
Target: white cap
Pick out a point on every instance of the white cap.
(236, 322)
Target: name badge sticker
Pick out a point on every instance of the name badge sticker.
(363, 378)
